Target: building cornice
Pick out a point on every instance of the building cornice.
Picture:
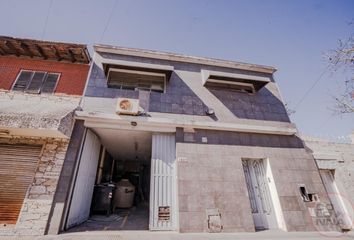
(183, 58)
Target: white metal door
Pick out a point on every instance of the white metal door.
(341, 211)
(83, 189)
(163, 207)
(258, 191)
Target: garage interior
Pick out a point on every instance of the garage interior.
(120, 197)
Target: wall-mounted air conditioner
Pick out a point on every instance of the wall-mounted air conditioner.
(127, 106)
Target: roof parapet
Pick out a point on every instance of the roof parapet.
(183, 58)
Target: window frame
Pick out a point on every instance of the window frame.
(137, 72)
(28, 83)
(56, 84)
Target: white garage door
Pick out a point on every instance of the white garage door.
(79, 210)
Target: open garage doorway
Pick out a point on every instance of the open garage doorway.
(125, 180)
(119, 185)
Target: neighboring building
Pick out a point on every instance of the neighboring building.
(335, 162)
(41, 84)
(209, 142)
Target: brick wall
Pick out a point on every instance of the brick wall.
(37, 203)
(72, 80)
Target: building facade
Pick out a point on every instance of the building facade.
(211, 140)
(41, 84)
(335, 162)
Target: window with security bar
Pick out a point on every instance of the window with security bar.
(36, 82)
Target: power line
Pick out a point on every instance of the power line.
(46, 19)
(310, 89)
(109, 20)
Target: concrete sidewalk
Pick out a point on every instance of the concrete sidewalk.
(146, 235)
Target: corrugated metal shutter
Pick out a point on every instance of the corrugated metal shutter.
(80, 204)
(18, 164)
(163, 207)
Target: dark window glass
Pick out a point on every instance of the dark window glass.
(22, 81)
(50, 83)
(36, 82)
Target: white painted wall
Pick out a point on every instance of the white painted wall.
(278, 213)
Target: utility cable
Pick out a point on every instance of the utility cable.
(109, 20)
(310, 89)
(46, 19)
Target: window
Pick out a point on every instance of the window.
(247, 83)
(36, 82)
(235, 86)
(307, 197)
(136, 80)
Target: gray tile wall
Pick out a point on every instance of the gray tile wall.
(261, 106)
(211, 176)
(180, 99)
(241, 139)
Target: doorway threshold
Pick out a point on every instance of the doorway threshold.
(135, 218)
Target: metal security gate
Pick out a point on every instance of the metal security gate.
(163, 207)
(261, 205)
(18, 164)
(79, 210)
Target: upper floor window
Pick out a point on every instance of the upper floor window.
(136, 80)
(247, 83)
(36, 82)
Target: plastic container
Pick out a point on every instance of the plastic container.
(124, 194)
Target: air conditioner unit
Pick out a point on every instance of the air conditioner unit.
(127, 106)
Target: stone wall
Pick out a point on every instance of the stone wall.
(55, 221)
(37, 203)
(210, 175)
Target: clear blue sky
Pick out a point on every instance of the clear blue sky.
(289, 35)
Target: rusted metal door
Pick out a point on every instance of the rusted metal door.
(18, 165)
(163, 207)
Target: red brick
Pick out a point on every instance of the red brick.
(72, 79)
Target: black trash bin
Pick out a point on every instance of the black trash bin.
(102, 198)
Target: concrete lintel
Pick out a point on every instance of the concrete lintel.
(159, 123)
(206, 75)
(30, 132)
(137, 64)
